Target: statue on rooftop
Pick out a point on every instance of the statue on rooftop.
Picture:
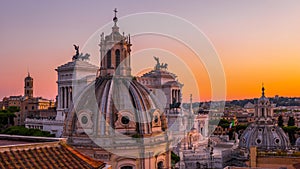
(78, 56)
(159, 65)
(77, 49)
(164, 66)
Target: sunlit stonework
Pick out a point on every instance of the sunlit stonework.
(116, 119)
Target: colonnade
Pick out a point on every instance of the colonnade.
(65, 97)
(176, 94)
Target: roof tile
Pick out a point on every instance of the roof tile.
(52, 156)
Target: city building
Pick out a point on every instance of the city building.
(264, 133)
(29, 106)
(263, 159)
(116, 119)
(11, 101)
(264, 144)
(76, 73)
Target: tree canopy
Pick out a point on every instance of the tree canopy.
(23, 131)
(291, 121)
(7, 116)
(280, 121)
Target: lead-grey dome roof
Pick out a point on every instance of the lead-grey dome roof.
(264, 136)
(297, 143)
(110, 99)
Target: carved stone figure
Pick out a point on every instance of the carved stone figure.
(85, 57)
(164, 66)
(76, 47)
(159, 65)
(78, 56)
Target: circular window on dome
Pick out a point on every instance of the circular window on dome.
(272, 129)
(258, 141)
(244, 140)
(260, 129)
(84, 120)
(125, 120)
(156, 119)
(277, 141)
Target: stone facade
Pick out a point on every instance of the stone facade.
(71, 76)
(11, 101)
(33, 107)
(115, 118)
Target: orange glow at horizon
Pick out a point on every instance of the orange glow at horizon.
(244, 83)
(257, 43)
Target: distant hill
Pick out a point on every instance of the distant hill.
(279, 101)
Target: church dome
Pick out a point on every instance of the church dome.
(114, 117)
(263, 133)
(297, 143)
(265, 137)
(263, 100)
(120, 105)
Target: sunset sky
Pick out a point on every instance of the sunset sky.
(258, 41)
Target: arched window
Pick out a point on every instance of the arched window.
(127, 167)
(117, 58)
(262, 112)
(108, 59)
(160, 165)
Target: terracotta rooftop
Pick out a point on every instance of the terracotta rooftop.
(55, 154)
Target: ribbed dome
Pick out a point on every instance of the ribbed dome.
(265, 137)
(263, 100)
(116, 105)
(126, 97)
(297, 143)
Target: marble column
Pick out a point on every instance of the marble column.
(70, 97)
(65, 97)
(176, 95)
(59, 98)
(173, 94)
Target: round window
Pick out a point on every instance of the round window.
(258, 141)
(277, 141)
(156, 119)
(84, 119)
(125, 120)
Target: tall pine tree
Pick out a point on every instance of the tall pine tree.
(291, 121)
(280, 121)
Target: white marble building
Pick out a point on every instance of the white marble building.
(75, 74)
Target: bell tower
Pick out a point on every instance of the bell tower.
(115, 51)
(28, 88)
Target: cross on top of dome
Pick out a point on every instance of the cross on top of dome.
(115, 19)
(263, 90)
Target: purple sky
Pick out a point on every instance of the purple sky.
(257, 40)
